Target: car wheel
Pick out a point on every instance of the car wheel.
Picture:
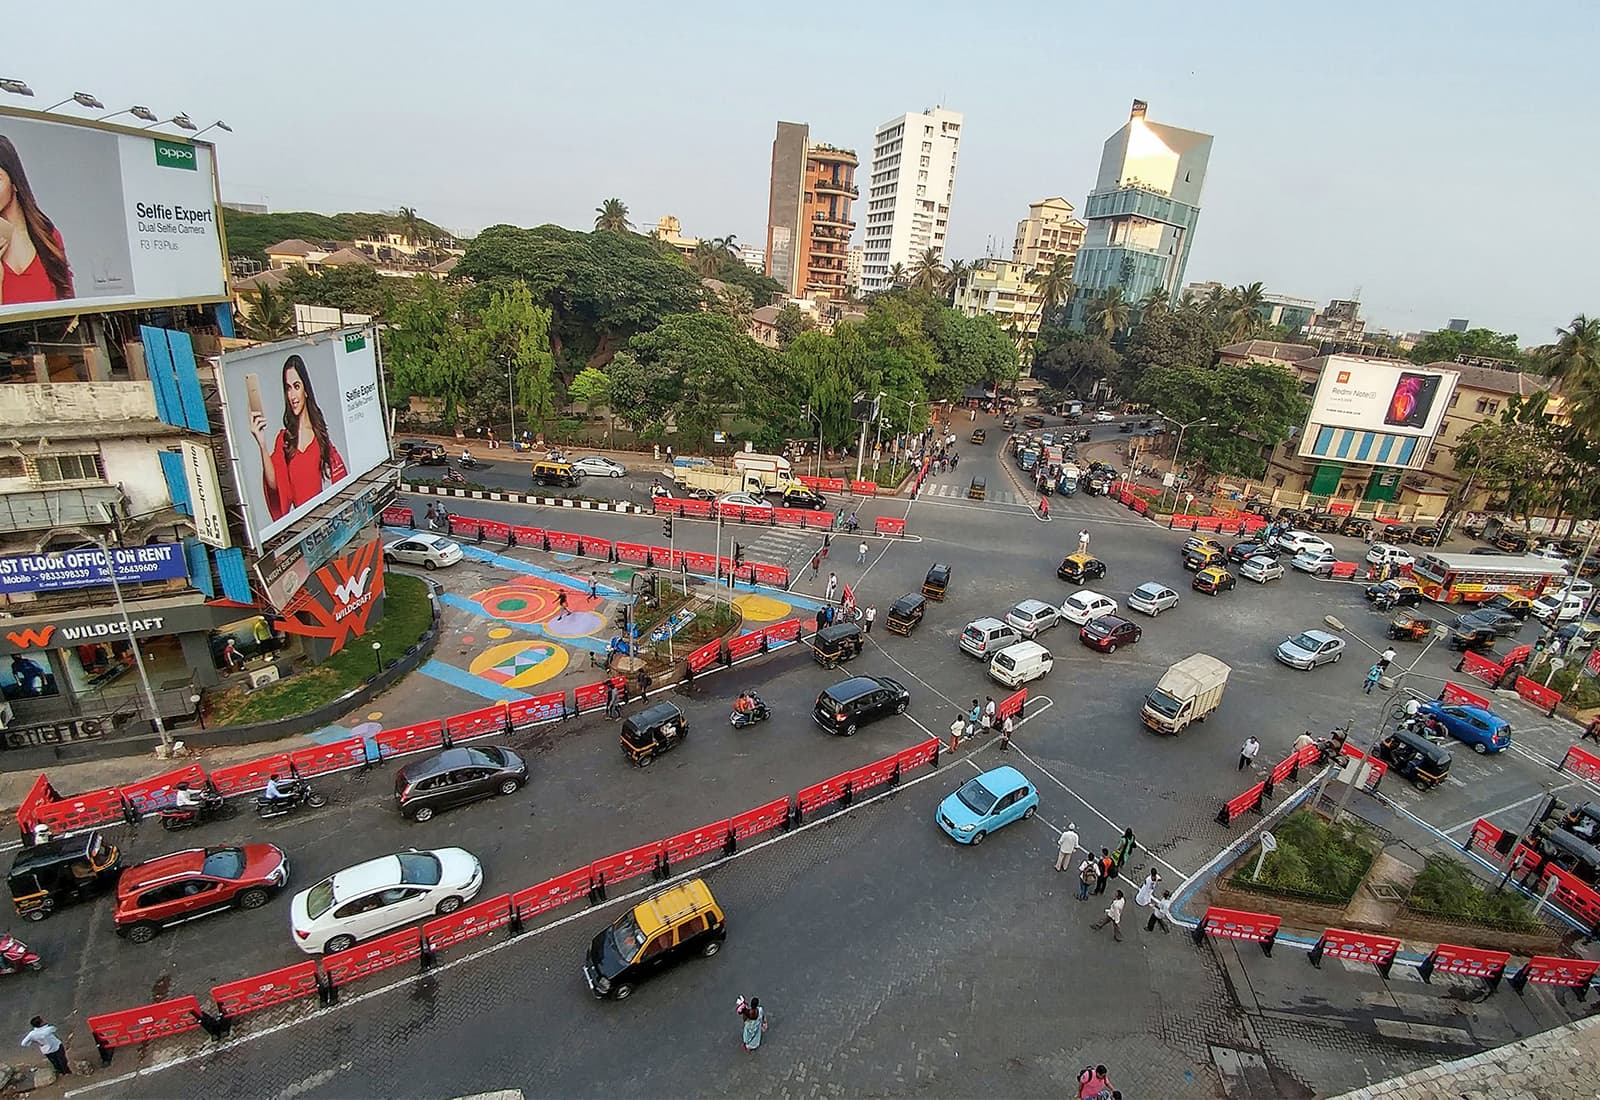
(143, 932)
(1154, 611)
(900, 707)
(252, 899)
(621, 992)
(447, 906)
(1029, 812)
(616, 473)
(1337, 655)
(711, 948)
(338, 944)
(977, 838)
(422, 813)
(428, 564)
(850, 730)
(1480, 748)
(509, 786)
(1110, 649)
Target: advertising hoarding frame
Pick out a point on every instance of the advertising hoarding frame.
(1384, 397)
(77, 306)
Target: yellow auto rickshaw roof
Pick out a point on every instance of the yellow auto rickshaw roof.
(672, 905)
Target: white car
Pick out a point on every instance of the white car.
(1152, 598)
(381, 894)
(1384, 553)
(598, 466)
(1083, 606)
(744, 500)
(1103, 417)
(1033, 617)
(1261, 570)
(1296, 541)
(1557, 607)
(428, 551)
(1319, 563)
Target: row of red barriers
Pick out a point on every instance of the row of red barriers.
(1453, 694)
(1256, 797)
(324, 977)
(1534, 872)
(816, 519)
(1580, 762)
(1246, 524)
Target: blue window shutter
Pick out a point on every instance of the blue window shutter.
(194, 403)
(235, 581)
(158, 364)
(177, 480)
(194, 554)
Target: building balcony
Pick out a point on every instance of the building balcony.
(828, 186)
(822, 217)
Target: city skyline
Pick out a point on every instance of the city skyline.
(1345, 159)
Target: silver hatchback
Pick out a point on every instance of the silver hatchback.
(1031, 618)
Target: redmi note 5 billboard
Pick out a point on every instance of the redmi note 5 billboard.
(100, 217)
(1373, 413)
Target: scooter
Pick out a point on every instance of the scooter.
(453, 477)
(16, 955)
(295, 795)
(757, 713)
(213, 807)
(468, 462)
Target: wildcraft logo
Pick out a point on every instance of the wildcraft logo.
(348, 592)
(174, 154)
(350, 585)
(30, 638)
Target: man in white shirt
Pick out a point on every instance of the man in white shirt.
(1247, 752)
(44, 1037)
(1113, 917)
(1160, 913)
(1068, 846)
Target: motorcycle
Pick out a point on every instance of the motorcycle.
(15, 955)
(1331, 747)
(469, 463)
(759, 712)
(213, 807)
(453, 477)
(295, 795)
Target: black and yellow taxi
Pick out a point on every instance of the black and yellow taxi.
(906, 613)
(978, 436)
(1213, 580)
(662, 930)
(937, 581)
(1203, 557)
(554, 473)
(53, 873)
(653, 731)
(1510, 603)
(1414, 757)
(1080, 568)
(803, 496)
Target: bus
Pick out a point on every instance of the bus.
(1472, 578)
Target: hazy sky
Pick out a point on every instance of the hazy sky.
(1395, 149)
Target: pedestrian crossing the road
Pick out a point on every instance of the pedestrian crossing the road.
(1081, 503)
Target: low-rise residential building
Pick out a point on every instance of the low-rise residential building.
(1047, 233)
(764, 326)
(1005, 290)
(669, 231)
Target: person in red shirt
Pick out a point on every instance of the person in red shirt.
(296, 466)
(33, 259)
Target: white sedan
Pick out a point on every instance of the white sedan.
(428, 551)
(382, 894)
(1083, 606)
(1296, 541)
(598, 466)
(1103, 417)
(744, 500)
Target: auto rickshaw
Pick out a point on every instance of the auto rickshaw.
(1410, 628)
(1414, 757)
(937, 580)
(906, 613)
(1324, 523)
(836, 643)
(58, 872)
(978, 489)
(978, 436)
(1356, 528)
(651, 732)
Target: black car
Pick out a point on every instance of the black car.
(420, 451)
(1393, 593)
(850, 703)
(1244, 551)
(1502, 623)
(1033, 420)
(455, 777)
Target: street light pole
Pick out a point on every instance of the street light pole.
(133, 642)
(1179, 445)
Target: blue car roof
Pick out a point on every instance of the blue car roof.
(1006, 778)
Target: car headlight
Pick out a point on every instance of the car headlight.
(965, 828)
(603, 984)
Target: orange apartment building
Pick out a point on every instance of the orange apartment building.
(808, 214)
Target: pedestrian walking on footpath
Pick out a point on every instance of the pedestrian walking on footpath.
(1093, 1084)
(1113, 917)
(833, 585)
(816, 564)
(45, 1037)
(594, 587)
(1592, 732)
(613, 705)
(1374, 675)
(1247, 752)
(1147, 889)
(861, 554)
(1008, 726)
(988, 712)
(1160, 913)
(1086, 878)
(644, 684)
(955, 733)
(974, 720)
(1103, 869)
(872, 613)
(1068, 847)
(1124, 850)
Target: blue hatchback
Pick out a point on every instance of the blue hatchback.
(984, 804)
(1483, 729)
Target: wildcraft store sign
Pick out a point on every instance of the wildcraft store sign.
(44, 632)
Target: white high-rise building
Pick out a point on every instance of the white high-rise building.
(909, 191)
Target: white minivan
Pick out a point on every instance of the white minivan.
(985, 637)
(1557, 608)
(1016, 665)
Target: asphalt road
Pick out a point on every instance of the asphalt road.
(894, 961)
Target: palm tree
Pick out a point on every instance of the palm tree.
(955, 276)
(1574, 362)
(897, 275)
(727, 246)
(1055, 288)
(410, 225)
(707, 260)
(928, 273)
(271, 317)
(1110, 312)
(1243, 313)
(1158, 303)
(612, 216)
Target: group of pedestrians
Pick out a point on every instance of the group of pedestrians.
(982, 718)
(1096, 872)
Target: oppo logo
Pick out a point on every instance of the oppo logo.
(170, 155)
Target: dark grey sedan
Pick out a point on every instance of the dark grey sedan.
(455, 777)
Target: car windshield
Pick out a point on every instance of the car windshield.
(319, 899)
(626, 937)
(1304, 641)
(419, 868)
(1148, 592)
(223, 863)
(976, 797)
(1162, 703)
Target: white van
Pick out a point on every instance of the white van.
(1016, 665)
(1557, 608)
(985, 637)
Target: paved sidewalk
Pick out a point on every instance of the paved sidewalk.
(1561, 1064)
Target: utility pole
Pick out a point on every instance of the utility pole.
(133, 642)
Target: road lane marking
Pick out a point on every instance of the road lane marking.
(1502, 809)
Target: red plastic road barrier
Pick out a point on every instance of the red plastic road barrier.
(762, 819)
(139, 1025)
(1454, 694)
(1235, 924)
(249, 995)
(1536, 693)
(664, 558)
(697, 562)
(595, 547)
(364, 959)
(38, 795)
(398, 517)
(404, 739)
(1478, 667)
(1572, 894)
(1284, 767)
(1554, 970)
(476, 723)
(593, 696)
(633, 553)
(744, 645)
(1580, 762)
(465, 924)
(773, 576)
(149, 795)
(875, 774)
(1380, 951)
(550, 894)
(322, 759)
(1012, 704)
(864, 488)
(625, 865)
(1205, 523)
(561, 542)
(495, 529)
(700, 508)
(734, 512)
(251, 775)
(463, 525)
(1139, 505)
(1485, 837)
(1343, 570)
(531, 537)
(822, 794)
(541, 708)
(706, 656)
(1239, 804)
(786, 631)
(792, 516)
(820, 520)
(696, 842)
(1474, 963)
(1182, 523)
(824, 484)
(888, 525)
(81, 811)
(918, 755)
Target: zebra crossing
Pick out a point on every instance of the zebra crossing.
(781, 545)
(1078, 504)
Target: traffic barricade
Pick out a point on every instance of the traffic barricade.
(1363, 947)
(663, 558)
(249, 776)
(773, 576)
(494, 529)
(464, 924)
(365, 959)
(1139, 505)
(633, 553)
(918, 755)
(700, 509)
(1546, 699)
(823, 484)
(1284, 768)
(587, 697)
(1488, 840)
(1180, 523)
(679, 849)
(594, 547)
(530, 537)
(476, 723)
(876, 774)
(669, 505)
(761, 819)
(706, 656)
(247, 995)
(399, 517)
(550, 894)
(820, 520)
(548, 707)
(1012, 704)
(82, 811)
(1205, 523)
(697, 562)
(149, 795)
(1238, 805)
(888, 525)
(322, 759)
(133, 1026)
(1575, 974)
(561, 542)
(464, 526)
(1456, 695)
(1478, 667)
(413, 738)
(864, 488)
(1236, 924)
(1580, 762)
(1573, 894)
(1469, 961)
(792, 516)
(732, 512)
(819, 795)
(622, 866)
(1343, 570)
(745, 645)
(41, 793)
(781, 633)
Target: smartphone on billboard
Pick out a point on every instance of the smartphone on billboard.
(1412, 400)
(252, 395)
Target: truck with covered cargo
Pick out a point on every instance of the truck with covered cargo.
(1187, 692)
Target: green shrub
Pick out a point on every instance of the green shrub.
(1314, 859)
(1448, 890)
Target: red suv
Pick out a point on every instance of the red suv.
(189, 885)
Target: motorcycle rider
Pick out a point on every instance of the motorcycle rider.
(275, 793)
(185, 798)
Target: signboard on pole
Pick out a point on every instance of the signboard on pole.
(205, 495)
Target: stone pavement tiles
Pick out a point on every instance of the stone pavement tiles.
(1560, 1064)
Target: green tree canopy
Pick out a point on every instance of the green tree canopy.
(1250, 408)
(1075, 364)
(717, 365)
(516, 335)
(1444, 346)
(642, 393)
(430, 351)
(352, 289)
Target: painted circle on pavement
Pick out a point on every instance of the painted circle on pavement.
(500, 632)
(762, 609)
(574, 624)
(374, 715)
(366, 729)
(519, 664)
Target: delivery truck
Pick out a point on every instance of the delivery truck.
(774, 470)
(706, 482)
(1187, 692)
